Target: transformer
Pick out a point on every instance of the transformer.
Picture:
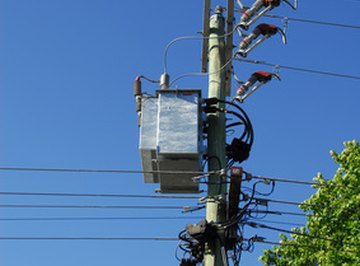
(171, 139)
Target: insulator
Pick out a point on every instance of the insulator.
(137, 87)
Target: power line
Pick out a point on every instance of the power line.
(89, 206)
(257, 62)
(100, 218)
(264, 226)
(293, 181)
(326, 23)
(282, 202)
(92, 238)
(262, 240)
(279, 213)
(57, 194)
(274, 212)
(273, 222)
(113, 171)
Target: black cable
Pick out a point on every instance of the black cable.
(299, 182)
(280, 213)
(264, 226)
(114, 171)
(283, 202)
(92, 238)
(275, 222)
(149, 80)
(262, 240)
(42, 219)
(314, 21)
(299, 69)
(57, 194)
(88, 206)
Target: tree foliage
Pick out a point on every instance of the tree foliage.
(332, 233)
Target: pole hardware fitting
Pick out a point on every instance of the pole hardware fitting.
(236, 171)
(259, 8)
(202, 231)
(248, 176)
(261, 202)
(266, 30)
(256, 80)
(191, 209)
(188, 262)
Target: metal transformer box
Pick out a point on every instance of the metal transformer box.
(171, 140)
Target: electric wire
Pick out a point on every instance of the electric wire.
(90, 206)
(57, 194)
(114, 171)
(200, 74)
(334, 24)
(149, 79)
(264, 226)
(118, 171)
(275, 222)
(262, 240)
(282, 202)
(126, 218)
(299, 182)
(166, 50)
(279, 213)
(339, 75)
(92, 238)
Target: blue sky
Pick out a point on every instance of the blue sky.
(66, 101)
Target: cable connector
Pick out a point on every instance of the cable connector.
(248, 176)
(238, 150)
(259, 77)
(257, 238)
(262, 202)
(202, 232)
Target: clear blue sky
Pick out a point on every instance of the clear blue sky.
(66, 101)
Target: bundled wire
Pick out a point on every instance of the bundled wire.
(239, 148)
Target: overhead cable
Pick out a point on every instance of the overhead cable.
(44, 219)
(88, 206)
(264, 226)
(273, 222)
(93, 238)
(334, 24)
(183, 38)
(262, 240)
(113, 171)
(278, 212)
(320, 72)
(57, 194)
(200, 74)
(282, 202)
(293, 181)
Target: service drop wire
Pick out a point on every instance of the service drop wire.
(199, 74)
(166, 50)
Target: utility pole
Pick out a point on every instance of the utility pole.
(215, 207)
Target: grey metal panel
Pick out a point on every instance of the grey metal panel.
(178, 127)
(147, 142)
(178, 183)
(148, 123)
(148, 161)
(179, 139)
